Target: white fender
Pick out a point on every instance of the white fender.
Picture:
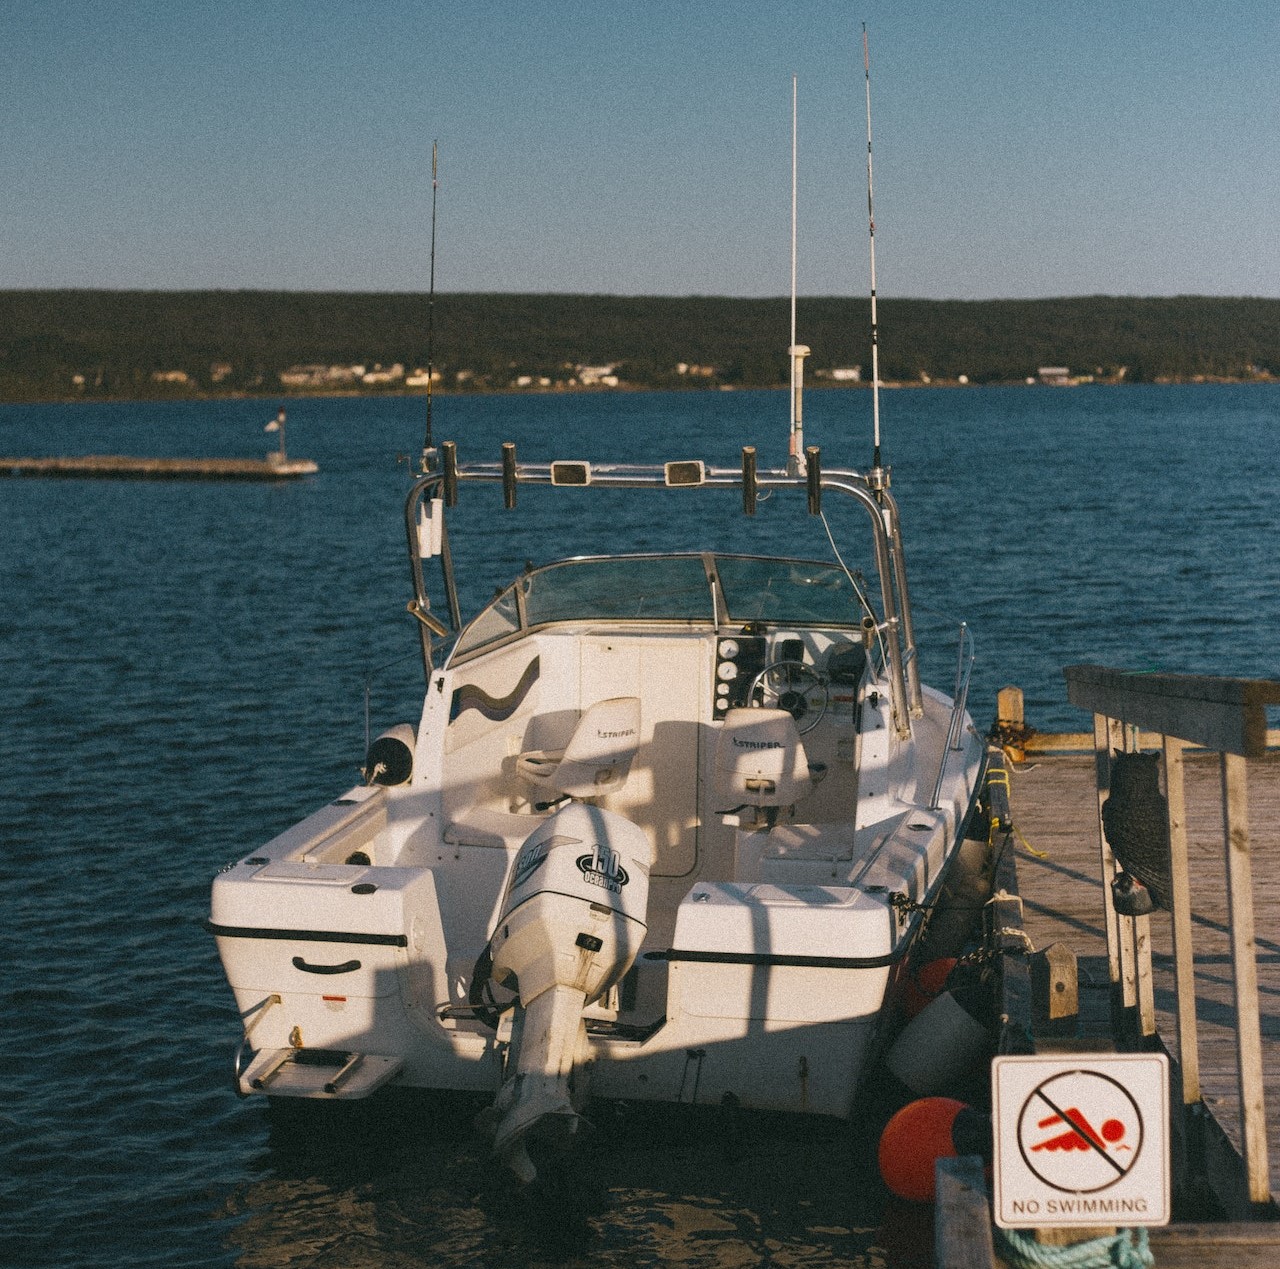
(939, 1048)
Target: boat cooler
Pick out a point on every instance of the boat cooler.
(344, 985)
(792, 954)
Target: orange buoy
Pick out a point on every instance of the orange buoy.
(925, 984)
(912, 1143)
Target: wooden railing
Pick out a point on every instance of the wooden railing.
(1227, 716)
(1021, 741)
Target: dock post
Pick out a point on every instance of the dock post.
(1140, 932)
(1011, 725)
(1180, 893)
(1010, 706)
(1055, 990)
(1235, 825)
(1108, 734)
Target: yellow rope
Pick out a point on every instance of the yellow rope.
(1027, 846)
(1000, 777)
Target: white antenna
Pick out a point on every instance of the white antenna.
(797, 352)
(871, 220)
(428, 444)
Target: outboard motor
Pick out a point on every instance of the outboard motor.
(572, 921)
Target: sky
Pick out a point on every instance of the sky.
(1022, 148)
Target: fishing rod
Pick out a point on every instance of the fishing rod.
(876, 471)
(428, 445)
(796, 465)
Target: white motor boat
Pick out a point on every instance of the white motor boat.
(668, 829)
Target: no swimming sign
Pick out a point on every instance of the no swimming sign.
(1081, 1139)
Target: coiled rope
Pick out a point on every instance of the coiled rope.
(1129, 1249)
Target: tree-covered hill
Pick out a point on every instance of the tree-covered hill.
(63, 344)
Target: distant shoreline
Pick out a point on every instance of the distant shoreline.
(61, 346)
(298, 398)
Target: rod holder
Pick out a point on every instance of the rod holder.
(749, 479)
(508, 474)
(415, 608)
(813, 471)
(449, 455)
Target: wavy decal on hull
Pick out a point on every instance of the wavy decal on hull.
(496, 708)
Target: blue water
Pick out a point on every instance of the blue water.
(182, 674)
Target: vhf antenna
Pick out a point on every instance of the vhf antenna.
(428, 445)
(876, 474)
(796, 465)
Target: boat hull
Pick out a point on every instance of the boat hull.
(773, 993)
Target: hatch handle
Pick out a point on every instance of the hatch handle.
(346, 967)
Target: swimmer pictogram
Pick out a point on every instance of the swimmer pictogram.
(1080, 1134)
(1080, 1131)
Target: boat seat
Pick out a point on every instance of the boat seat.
(597, 759)
(760, 760)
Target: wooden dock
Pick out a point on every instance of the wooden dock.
(125, 467)
(1054, 804)
(1201, 982)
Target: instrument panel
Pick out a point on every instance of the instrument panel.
(739, 658)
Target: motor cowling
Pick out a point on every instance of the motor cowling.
(575, 908)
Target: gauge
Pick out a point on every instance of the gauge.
(722, 689)
(726, 671)
(728, 649)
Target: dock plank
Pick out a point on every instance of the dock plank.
(962, 1222)
(1247, 1245)
(1053, 802)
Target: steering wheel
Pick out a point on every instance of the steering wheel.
(795, 687)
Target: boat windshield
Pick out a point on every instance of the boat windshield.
(620, 588)
(668, 588)
(795, 592)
